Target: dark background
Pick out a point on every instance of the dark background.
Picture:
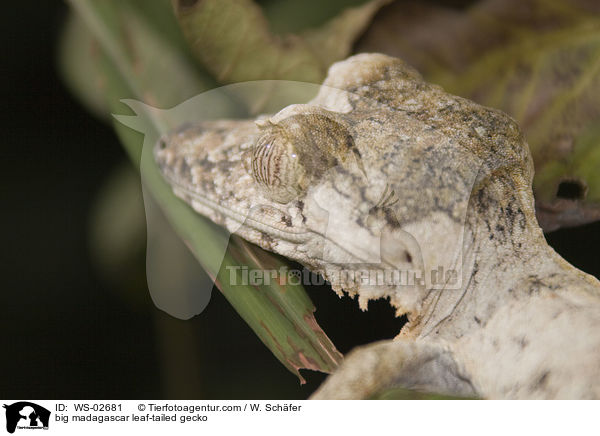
(65, 332)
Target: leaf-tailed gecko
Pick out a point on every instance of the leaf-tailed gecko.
(384, 172)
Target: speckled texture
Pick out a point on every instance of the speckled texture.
(383, 171)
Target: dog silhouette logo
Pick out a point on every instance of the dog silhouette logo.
(26, 415)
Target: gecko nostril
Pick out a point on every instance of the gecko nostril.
(162, 144)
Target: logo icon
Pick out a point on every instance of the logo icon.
(26, 415)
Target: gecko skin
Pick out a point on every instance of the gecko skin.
(384, 171)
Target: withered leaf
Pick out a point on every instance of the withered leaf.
(233, 40)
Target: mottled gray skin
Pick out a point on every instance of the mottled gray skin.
(426, 180)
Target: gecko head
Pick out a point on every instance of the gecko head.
(380, 169)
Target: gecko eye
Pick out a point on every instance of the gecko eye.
(298, 150)
(276, 167)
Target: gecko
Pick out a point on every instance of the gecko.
(384, 172)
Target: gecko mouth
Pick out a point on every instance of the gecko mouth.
(239, 216)
(245, 218)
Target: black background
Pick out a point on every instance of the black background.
(64, 332)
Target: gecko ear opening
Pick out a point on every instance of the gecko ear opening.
(276, 166)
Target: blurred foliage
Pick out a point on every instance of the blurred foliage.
(79, 68)
(118, 233)
(294, 16)
(538, 60)
(234, 40)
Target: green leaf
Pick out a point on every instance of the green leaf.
(537, 60)
(136, 60)
(282, 315)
